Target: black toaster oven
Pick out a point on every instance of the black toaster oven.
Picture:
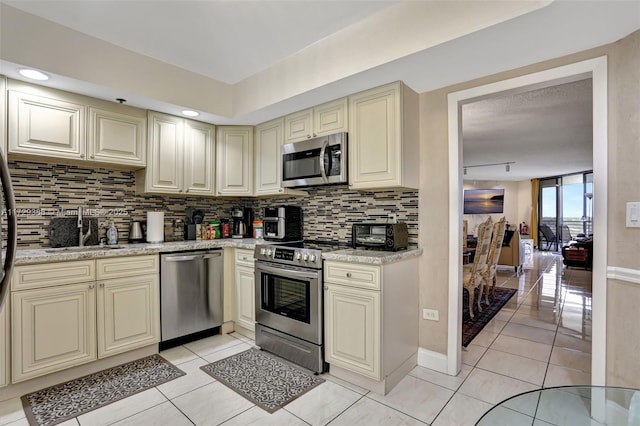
(380, 236)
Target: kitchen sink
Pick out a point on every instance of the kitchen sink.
(81, 249)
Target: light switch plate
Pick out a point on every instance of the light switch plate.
(633, 214)
(430, 314)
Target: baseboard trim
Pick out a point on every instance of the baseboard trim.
(623, 274)
(433, 360)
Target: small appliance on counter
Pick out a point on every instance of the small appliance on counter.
(242, 223)
(380, 236)
(136, 232)
(282, 223)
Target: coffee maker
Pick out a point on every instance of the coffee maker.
(242, 222)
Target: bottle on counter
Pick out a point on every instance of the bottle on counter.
(215, 230)
(258, 230)
(112, 234)
(225, 228)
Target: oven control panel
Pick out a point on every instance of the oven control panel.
(309, 258)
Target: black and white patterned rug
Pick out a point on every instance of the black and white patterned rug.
(65, 401)
(262, 378)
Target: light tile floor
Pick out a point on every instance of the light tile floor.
(541, 338)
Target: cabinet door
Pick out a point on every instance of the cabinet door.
(4, 341)
(52, 329)
(234, 160)
(269, 139)
(330, 118)
(245, 297)
(299, 126)
(352, 329)
(375, 148)
(117, 138)
(199, 152)
(46, 127)
(128, 314)
(164, 164)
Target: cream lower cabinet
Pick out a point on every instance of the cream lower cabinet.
(128, 304)
(384, 138)
(245, 289)
(57, 324)
(5, 354)
(371, 321)
(53, 328)
(352, 321)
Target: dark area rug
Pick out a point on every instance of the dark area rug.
(471, 327)
(264, 379)
(65, 401)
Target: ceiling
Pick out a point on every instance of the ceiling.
(543, 132)
(245, 62)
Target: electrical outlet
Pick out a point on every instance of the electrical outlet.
(430, 314)
(392, 217)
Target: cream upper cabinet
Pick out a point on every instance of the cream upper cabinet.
(199, 152)
(269, 138)
(325, 119)
(383, 138)
(5, 354)
(44, 126)
(117, 138)
(53, 328)
(180, 156)
(245, 289)
(52, 123)
(234, 160)
(3, 115)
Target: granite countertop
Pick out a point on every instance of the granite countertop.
(372, 257)
(47, 255)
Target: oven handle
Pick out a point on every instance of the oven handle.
(288, 272)
(322, 151)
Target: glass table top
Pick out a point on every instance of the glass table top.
(568, 406)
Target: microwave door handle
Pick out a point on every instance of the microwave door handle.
(323, 172)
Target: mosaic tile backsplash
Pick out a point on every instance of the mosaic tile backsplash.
(44, 191)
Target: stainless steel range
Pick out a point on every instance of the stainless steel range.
(289, 300)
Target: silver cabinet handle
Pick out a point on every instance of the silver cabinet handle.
(92, 156)
(81, 155)
(314, 135)
(91, 287)
(326, 287)
(179, 190)
(308, 136)
(186, 190)
(348, 274)
(280, 190)
(101, 285)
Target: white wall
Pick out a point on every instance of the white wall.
(517, 203)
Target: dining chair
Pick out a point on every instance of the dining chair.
(472, 276)
(489, 275)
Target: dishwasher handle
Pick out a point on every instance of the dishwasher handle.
(212, 255)
(181, 258)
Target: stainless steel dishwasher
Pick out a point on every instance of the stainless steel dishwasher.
(191, 292)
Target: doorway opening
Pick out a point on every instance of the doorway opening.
(597, 70)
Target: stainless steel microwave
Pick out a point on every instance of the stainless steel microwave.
(318, 161)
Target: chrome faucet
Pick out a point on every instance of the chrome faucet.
(82, 237)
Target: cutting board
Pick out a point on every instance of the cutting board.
(63, 232)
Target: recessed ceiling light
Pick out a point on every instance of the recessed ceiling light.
(33, 74)
(190, 113)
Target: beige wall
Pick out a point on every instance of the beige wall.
(624, 181)
(623, 298)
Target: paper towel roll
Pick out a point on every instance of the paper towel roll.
(155, 227)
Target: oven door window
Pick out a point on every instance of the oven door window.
(287, 297)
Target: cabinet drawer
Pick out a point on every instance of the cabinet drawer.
(119, 267)
(244, 257)
(52, 274)
(352, 274)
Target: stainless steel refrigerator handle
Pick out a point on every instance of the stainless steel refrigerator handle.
(182, 258)
(12, 228)
(325, 144)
